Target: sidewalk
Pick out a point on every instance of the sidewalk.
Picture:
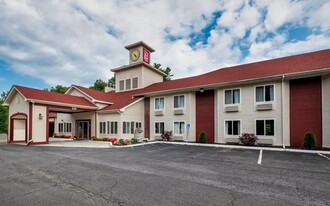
(3, 137)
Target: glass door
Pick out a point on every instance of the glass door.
(83, 129)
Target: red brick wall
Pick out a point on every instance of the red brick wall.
(305, 110)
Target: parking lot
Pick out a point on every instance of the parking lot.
(161, 174)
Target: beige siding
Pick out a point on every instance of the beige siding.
(189, 116)
(75, 92)
(64, 118)
(129, 74)
(326, 111)
(39, 125)
(18, 104)
(112, 118)
(248, 114)
(150, 77)
(134, 113)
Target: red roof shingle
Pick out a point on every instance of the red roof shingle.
(97, 95)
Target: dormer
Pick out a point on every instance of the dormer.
(139, 73)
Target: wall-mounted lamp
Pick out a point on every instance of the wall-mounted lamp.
(201, 90)
(40, 116)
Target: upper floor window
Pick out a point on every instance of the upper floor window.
(159, 103)
(265, 93)
(135, 82)
(265, 127)
(232, 96)
(179, 101)
(121, 85)
(128, 84)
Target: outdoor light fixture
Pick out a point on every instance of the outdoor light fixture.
(40, 116)
(201, 90)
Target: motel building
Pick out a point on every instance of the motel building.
(279, 100)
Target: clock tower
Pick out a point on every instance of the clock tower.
(139, 73)
(138, 52)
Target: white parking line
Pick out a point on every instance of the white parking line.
(322, 155)
(260, 157)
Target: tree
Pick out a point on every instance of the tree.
(3, 113)
(167, 71)
(99, 85)
(58, 89)
(112, 81)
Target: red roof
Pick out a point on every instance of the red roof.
(122, 99)
(42, 95)
(274, 67)
(97, 95)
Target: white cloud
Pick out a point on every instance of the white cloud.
(79, 41)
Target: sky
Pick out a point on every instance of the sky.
(46, 43)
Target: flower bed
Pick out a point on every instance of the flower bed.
(63, 136)
(116, 141)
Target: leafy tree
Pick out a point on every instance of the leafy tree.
(3, 113)
(167, 71)
(112, 81)
(58, 89)
(99, 85)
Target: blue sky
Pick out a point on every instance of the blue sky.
(45, 43)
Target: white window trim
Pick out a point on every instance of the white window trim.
(177, 134)
(110, 128)
(185, 101)
(224, 127)
(155, 127)
(164, 103)
(264, 85)
(240, 97)
(137, 82)
(255, 128)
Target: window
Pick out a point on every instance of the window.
(60, 127)
(265, 93)
(265, 127)
(121, 85)
(132, 127)
(159, 127)
(232, 96)
(126, 127)
(179, 127)
(67, 127)
(138, 125)
(232, 127)
(159, 103)
(102, 127)
(179, 101)
(112, 127)
(135, 82)
(128, 84)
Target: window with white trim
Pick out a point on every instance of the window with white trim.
(138, 125)
(179, 127)
(126, 127)
(60, 127)
(135, 83)
(232, 127)
(67, 127)
(179, 101)
(265, 127)
(132, 127)
(121, 85)
(159, 127)
(112, 127)
(232, 96)
(265, 93)
(102, 127)
(128, 84)
(159, 103)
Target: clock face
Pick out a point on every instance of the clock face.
(135, 54)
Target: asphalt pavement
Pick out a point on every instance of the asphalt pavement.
(161, 174)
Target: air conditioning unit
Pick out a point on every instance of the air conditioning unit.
(232, 108)
(264, 107)
(159, 113)
(178, 112)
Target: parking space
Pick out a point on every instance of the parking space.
(162, 174)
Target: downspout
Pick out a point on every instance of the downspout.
(96, 123)
(282, 113)
(30, 122)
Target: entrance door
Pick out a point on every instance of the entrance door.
(51, 129)
(83, 129)
(205, 114)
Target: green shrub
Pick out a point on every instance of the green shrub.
(248, 139)
(202, 137)
(121, 142)
(62, 136)
(309, 140)
(134, 140)
(105, 139)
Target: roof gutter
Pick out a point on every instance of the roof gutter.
(61, 104)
